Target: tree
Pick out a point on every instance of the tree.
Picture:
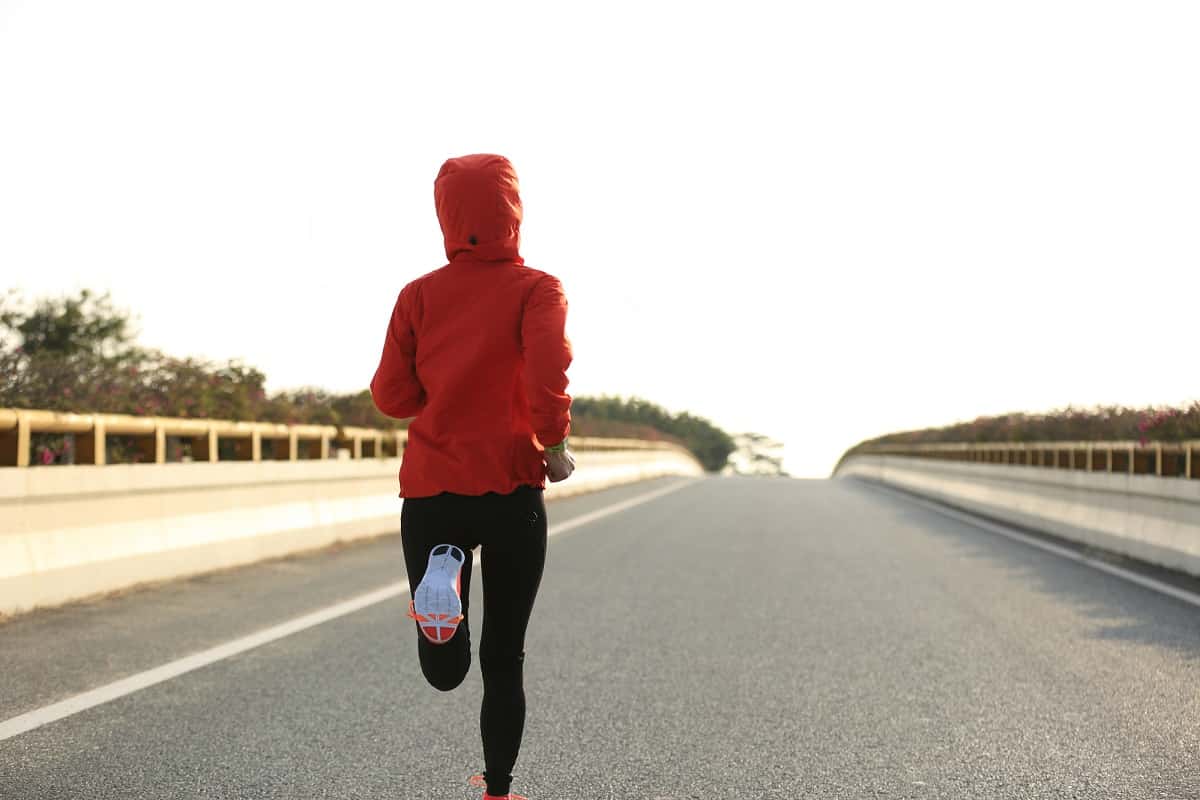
(757, 454)
(58, 351)
(68, 326)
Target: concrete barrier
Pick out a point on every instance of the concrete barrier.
(71, 532)
(1150, 518)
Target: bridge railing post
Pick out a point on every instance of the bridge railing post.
(15, 439)
(91, 447)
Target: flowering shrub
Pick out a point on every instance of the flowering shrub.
(51, 449)
(1105, 423)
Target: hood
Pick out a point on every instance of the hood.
(479, 208)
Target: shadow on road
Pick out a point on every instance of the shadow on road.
(1122, 610)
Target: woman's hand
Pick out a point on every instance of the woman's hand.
(559, 465)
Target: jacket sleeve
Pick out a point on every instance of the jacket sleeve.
(395, 388)
(547, 355)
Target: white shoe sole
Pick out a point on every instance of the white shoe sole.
(436, 602)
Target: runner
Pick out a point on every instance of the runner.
(476, 351)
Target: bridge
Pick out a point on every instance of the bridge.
(941, 621)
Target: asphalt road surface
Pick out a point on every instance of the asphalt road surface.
(734, 638)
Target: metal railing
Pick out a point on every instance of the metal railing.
(206, 440)
(1164, 459)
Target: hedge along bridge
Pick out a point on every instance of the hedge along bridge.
(70, 531)
(1162, 459)
(245, 441)
(1133, 499)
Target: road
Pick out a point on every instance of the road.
(735, 638)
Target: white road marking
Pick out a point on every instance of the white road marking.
(1065, 552)
(592, 516)
(133, 683)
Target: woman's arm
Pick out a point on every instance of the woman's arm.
(395, 388)
(547, 356)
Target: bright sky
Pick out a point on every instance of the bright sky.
(821, 221)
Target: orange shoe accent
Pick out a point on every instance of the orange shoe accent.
(478, 782)
(438, 628)
(437, 600)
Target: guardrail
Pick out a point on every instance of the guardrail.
(203, 439)
(1164, 459)
(1140, 501)
(75, 531)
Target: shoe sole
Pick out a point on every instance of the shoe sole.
(437, 603)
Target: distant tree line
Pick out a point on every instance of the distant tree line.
(79, 354)
(708, 443)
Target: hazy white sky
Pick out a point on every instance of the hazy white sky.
(823, 221)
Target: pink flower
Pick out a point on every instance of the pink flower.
(46, 457)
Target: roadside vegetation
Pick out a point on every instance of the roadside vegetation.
(80, 354)
(608, 416)
(1099, 424)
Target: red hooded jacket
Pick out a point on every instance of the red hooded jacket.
(476, 350)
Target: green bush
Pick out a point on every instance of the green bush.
(711, 445)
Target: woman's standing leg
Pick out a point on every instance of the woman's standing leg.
(425, 523)
(514, 554)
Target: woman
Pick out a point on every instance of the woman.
(476, 351)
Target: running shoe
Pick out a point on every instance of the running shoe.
(479, 783)
(437, 602)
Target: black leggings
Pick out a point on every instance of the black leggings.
(511, 530)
